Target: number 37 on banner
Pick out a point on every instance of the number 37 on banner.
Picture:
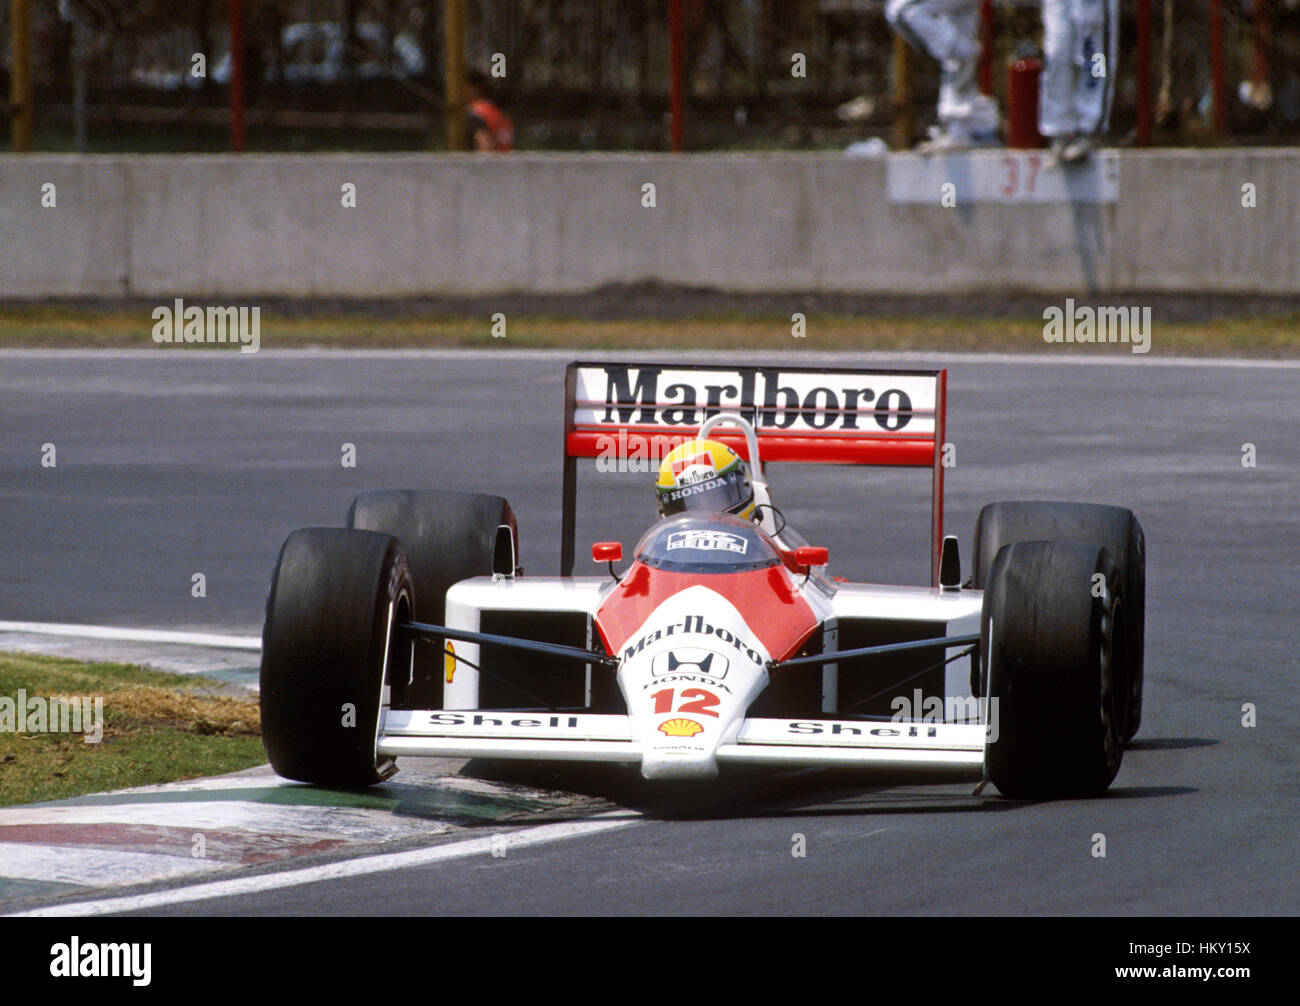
(1020, 174)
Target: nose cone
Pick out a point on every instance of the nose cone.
(684, 746)
(692, 670)
(672, 763)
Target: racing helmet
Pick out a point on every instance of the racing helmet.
(706, 476)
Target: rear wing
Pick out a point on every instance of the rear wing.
(641, 411)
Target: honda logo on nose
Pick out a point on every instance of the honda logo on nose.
(690, 660)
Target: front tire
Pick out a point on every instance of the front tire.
(1053, 626)
(327, 648)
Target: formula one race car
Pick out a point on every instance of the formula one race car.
(412, 631)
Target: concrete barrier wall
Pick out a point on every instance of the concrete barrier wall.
(224, 226)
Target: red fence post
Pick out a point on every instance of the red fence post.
(1023, 80)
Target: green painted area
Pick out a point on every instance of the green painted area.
(432, 801)
(12, 888)
(464, 808)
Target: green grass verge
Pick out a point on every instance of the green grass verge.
(157, 727)
(77, 327)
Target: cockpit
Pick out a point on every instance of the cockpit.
(706, 543)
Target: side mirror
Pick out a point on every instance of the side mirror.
(811, 555)
(607, 551)
(610, 552)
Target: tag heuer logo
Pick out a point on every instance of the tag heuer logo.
(708, 541)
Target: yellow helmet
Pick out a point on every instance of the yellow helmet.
(707, 476)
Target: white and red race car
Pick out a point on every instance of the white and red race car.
(723, 643)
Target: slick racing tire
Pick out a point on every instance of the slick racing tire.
(447, 537)
(1053, 623)
(327, 647)
(1115, 528)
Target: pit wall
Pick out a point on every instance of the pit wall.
(240, 227)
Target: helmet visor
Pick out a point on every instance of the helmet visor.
(720, 494)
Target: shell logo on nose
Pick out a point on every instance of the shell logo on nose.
(680, 727)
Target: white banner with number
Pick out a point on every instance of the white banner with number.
(1001, 176)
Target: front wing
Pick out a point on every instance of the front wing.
(949, 750)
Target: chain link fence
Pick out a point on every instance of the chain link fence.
(593, 74)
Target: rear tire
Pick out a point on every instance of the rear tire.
(1113, 527)
(447, 537)
(1049, 649)
(326, 646)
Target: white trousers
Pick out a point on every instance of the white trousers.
(1080, 49)
(949, 31)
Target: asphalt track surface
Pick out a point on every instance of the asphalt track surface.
(171, 463)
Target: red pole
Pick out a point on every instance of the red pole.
(1217, 69)
(237, 76)
(676, 101)
(1144, 116)
(1023, 78)
(987, 40)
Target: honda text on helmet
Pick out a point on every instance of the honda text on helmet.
(704, 476)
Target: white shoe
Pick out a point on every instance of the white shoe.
(941, 140)
(858, 109)
(1076, 150)
(1070, 148)
(956, 137)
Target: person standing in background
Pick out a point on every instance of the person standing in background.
(490, 129)
(949, 31)
(1080, 50)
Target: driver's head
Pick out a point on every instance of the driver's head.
(707, 477)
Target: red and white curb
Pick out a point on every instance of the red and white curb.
(361, 866)
(198, 827)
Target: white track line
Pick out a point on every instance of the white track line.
(211, 639)
(331, 871)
